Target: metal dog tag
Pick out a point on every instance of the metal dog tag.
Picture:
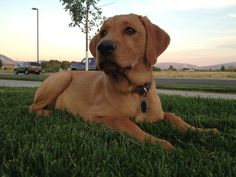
(144, 105)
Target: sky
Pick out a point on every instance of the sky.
(203, 32)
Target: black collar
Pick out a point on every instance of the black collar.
(143, 89)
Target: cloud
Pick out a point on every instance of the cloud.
(156, 7)
(183, 4)
(200, 56)
(211, 50)
(232, 15)
(225, 41)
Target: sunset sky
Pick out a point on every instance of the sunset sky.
(203, 32)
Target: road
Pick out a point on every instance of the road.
(225, 82)
(15, 83)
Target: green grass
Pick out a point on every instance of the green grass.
(5, 71)
(62, 145)
(196, 74)
(199, 87)
(30, 77)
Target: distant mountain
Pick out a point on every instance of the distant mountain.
(165, 65)
(217, 67)
(180, 66)
(6, 60)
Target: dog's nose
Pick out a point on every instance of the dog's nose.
(106, 47)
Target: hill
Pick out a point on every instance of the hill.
(165, 65)
(180, 66)
(218, 67)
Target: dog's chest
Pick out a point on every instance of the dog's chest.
(128, 105)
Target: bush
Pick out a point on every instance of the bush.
(156, 68)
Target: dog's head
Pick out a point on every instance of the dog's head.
(126, 40)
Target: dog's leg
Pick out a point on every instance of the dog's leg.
(48, 92)
(44, 112)
(183, 126)
(127, 126)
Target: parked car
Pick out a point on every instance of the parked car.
(81, 65)
(28, 67)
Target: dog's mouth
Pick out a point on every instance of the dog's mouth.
(109, 67)
(113, 69)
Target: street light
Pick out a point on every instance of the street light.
(37, 32)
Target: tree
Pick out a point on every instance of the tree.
(222, 68)
(65, 65)
(86, 15)
(232, 68)
(154, 68)
(172, 68)
(51, 65)
(0, 63)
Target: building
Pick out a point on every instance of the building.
(7, 63)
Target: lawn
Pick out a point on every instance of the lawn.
(30, 77)
(216, 88)
(62, 145)
(196, 74)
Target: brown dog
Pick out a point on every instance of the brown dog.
(124, 91)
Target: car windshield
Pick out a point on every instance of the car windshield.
(84, 61)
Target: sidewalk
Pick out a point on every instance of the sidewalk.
(197, 94)
(18, 83)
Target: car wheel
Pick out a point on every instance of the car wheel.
(26, 72)
(37, 73)
(15, 72)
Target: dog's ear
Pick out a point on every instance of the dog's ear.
(157, 40)
(93, 45)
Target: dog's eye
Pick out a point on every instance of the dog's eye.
(129, 30)
(103, 33)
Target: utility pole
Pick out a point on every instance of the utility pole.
(86, 35)
(37, 32)
(86, 30)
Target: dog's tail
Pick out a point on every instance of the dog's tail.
(49, 91)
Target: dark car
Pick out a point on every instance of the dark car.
(81, 65)
(28, 67)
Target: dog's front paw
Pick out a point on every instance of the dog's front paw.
(208, 130)
(167, 145)
(44, 112)
(213, 130)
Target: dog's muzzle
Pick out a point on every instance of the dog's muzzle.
(106, 47)
(108, 66)
(107, 62)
